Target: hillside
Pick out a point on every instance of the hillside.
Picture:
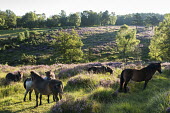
(88, 93)
(99, 45)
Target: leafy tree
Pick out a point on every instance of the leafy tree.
(126, 42)
(63, 18)
(29, 20)
(152, 21)
(68, 47)
(53, 21)
(160, 43)
(90, 18)
(74, 19)
(11, 19)
(105, 18)
(137, 20)
(112, 19)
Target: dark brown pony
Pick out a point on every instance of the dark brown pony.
(28, 85)
(100, 69)
(15, 76)
(46, 87)
(145, 74)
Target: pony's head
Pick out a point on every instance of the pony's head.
(34, 75)
(50, 74)
(108, 69)
(20, 73)
(56, 86)
(156, 66)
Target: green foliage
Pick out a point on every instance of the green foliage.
(21, 36)
(28, 59)
(160, 43)
(68, 47)
(126, 42)
(74, 19)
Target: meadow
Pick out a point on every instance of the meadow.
(88, 93)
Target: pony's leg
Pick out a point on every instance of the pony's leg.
(121, 83)
(36, 99)
(60, 95)
(53, 98)
(40, 99)
(56, 97)
(48, 99)
(30, 94)
(125, 86)
(25, 95)
(146, 82)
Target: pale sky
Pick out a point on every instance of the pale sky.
(51, 7)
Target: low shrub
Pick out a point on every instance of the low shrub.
(71, 105)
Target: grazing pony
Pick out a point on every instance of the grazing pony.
(145, 74)
(100, 69)
(46, 87)
(16, 76)
(28, 85)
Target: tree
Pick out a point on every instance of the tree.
(137, 20)
(152, 20)
(74, 19)
(105, 18)
(126, 42)
(63, 18)
(112, 19)
(53, 21)
(29, 20)
(68, 47)
(160, 43)
(11, 19)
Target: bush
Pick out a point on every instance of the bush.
(81, 82)
(28, 59)
(71, 105)
(102, 95)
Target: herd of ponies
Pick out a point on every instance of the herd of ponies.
(49, 85)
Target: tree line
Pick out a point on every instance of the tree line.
(8, 19)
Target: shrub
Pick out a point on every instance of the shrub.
(81, 82)
(71, 105)
(28, 59)
(102, 95)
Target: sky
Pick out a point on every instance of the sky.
(52, 7)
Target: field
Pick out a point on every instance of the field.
(88, 93)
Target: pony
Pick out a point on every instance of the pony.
(15, 76)
(100, 69)
(144, 74)
(46, 87)
(29, 86)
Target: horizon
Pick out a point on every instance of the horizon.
(52, 7)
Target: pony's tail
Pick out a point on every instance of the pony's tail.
(121, 81)
(25, 83)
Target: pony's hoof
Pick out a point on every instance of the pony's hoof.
(115, 94)
(35, 106)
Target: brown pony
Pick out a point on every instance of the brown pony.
(46, 87)
(145, 74)
(28, 85)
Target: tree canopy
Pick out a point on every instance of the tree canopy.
(160, 43)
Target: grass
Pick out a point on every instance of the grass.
(85, 93)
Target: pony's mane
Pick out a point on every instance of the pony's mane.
(152, 66)
(35, 74)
